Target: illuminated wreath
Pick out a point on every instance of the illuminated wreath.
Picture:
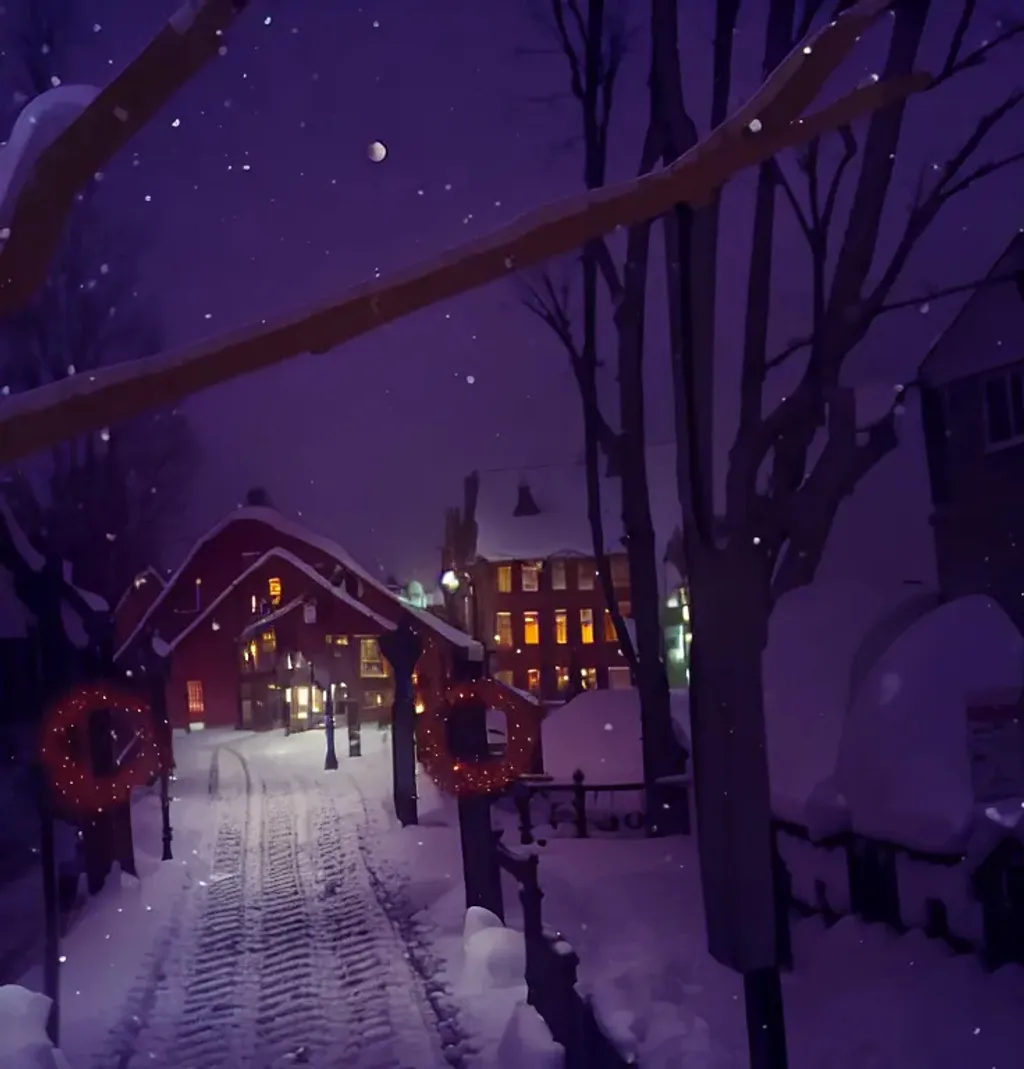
(64, 750)
(455, 776)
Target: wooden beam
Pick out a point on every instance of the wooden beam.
(769, 122)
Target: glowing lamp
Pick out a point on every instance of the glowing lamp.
(450, 581)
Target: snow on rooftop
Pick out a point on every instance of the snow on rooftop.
(270, 517)
(815, 636)
(561, 528)
(307, 569)
(598, 732)
(904, 763)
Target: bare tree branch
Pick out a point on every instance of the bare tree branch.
(956, 60)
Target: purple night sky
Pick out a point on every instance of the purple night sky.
(262, 198)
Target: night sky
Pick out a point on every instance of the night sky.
(257, 196)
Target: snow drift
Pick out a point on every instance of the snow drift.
(24, 1043)
(903, 765)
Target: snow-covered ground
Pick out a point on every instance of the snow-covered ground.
(300, 924)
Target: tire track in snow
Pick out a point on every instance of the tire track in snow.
(155, 999)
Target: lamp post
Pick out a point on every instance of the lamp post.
(330, 757)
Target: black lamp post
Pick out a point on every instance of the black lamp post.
(330, 757)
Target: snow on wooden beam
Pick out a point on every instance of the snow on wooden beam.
(186, 43)
(769, 122)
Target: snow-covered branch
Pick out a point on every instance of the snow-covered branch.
(44, 199)
(769, 122)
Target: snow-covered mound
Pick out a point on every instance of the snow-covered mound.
(817, 637)
(599, 732)
(23, 1040)
(903, 764)
(41, 122)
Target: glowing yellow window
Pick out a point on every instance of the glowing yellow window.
(503, 628)
(371, 663)
(533, 680)
(194, 689)
(268, 641)
(588, 677)
(561, 677)
(504, 578)
(531, 629)
(586, 626)
(561, 626)
(609, 628)
(274, 588)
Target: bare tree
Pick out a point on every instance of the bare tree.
(793, 463)
(108, 493)
(591, 39)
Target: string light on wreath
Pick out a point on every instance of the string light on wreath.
(460, 776)
(64, 750)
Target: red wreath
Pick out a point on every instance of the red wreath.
(79, 791)
(455, 776)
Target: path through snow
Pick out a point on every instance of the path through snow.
(290, 953)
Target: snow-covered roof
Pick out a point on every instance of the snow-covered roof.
(289, 528)
(308, 570)
(562, 527)
(996, 312)
(148, 575)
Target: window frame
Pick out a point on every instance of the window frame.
(529, 569)
(559, 574)
(1005, 381)
(503, 578)
(531, 625)
(366, 663)
(503, 639)
(533, 680)
(561, 627)
(587, 627)
(586, 579)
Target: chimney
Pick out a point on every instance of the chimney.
(525, 504)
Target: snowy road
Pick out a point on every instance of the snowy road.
(287, 954)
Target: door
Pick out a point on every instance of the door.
(196, 705)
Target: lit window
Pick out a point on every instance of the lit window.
(609, 628)
(586, 626)
(503, 628)
(533, 680)
(505, 676)
(194, 689)
(561, 677)
(585, 575)
(371, 663)
(254, 604)
(620, 572)
(561, 626)
(274, 586)
(557, 574)
(588, 677)
(531, 629)
(504, 578)
(336, 640)
(530, 578)
(268, 642)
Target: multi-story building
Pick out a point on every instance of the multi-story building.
(972, 395)
(520, 574)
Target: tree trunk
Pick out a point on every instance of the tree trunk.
(730, 604)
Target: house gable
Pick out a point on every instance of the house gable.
(988, 331)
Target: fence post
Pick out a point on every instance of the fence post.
(522, 796)
(579, 804)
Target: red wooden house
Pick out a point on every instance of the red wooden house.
(252, 565)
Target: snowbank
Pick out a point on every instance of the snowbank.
(23, 1040)
(815, 639)
(527, 1043)
(904, 761)
(599, 733)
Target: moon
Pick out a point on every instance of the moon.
(377, 150)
